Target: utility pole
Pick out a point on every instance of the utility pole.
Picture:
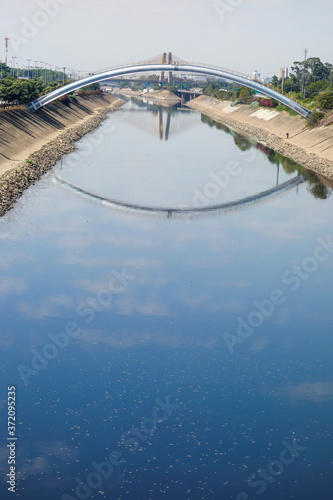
(14, 65)
(282, 79)
(6, 49)
(63, 75)
(44, 73)
(28, 68)
(303, 84)
(36, 68)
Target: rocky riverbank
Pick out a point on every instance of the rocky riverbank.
(270, 127)
(15, 181)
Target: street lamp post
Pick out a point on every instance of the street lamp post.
(36, 69)
(14, 64)
(303, 84)
(42, 72)
(28, 68)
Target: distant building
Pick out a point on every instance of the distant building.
(255, 75)
(199, 78)
(283, 72)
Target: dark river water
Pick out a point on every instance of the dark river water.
(166, 319)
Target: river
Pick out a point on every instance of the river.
(167, 319)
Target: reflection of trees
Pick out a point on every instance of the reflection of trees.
(316, 185)
(289, 166)
(138, 102)
(242, 142)
(213, 123)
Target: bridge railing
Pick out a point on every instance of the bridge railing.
(174, 63)
(186, 66)
(203, 65)
(214, 66)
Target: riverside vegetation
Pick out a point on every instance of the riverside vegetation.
(310, 84)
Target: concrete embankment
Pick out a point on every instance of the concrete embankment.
(158, 96)
(42, 138)
(312, 148)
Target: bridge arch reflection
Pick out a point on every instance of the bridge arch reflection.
(185, 212)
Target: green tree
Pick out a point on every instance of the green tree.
(4, 69)
(325, 100)
(245, 95)
(318, 71)
(211, 88)
(315, 88)
(173, 88)
(21, 91)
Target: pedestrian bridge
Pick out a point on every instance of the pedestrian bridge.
(171, 66)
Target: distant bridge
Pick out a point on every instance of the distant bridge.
(188, 95)
(171, 65)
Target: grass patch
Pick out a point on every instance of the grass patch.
(254, 105)
(315, 118)
(282, 107)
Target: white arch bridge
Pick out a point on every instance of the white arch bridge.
(170, 65)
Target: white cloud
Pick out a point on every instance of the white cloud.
(47, 307)
(13, 285)
(315, 392)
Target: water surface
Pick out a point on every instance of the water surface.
(158, 296)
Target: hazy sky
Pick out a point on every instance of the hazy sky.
(239, 34)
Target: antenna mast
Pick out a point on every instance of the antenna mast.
(6, 48)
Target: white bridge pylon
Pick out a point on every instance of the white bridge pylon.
(172, 67)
